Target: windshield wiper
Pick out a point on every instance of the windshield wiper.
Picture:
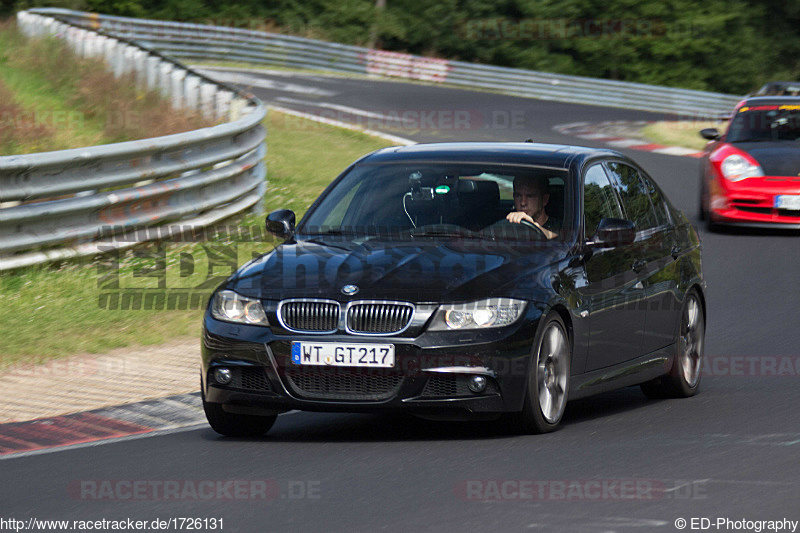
(444, 232)
(331, 231)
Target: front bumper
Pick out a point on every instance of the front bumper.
(430, 376)
(751, 202)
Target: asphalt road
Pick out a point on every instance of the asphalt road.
(620, 462)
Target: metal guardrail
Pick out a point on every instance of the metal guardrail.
(54, 205)
(195, 41)
(57, 205)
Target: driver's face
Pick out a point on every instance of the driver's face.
(530, 200)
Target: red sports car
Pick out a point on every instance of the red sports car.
(751, 174)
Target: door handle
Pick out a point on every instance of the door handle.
(638, 266)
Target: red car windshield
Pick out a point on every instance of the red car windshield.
(765, 123)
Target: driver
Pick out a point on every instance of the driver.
(530, 198)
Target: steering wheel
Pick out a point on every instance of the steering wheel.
(533, 228)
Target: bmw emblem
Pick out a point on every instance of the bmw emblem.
(349, 289)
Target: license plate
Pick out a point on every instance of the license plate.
(339, 354)
(788, 201)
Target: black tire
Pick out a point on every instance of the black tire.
(236, 425)
(548, 377)
(711, 226)
(703, 210)
(683, 379)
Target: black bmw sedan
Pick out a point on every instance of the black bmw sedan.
(461, 281)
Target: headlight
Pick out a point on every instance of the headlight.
(736, 167)
(491, 313)
(231, 307)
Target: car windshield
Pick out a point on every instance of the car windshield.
(765, 123)
(437, 200)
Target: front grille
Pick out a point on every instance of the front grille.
(453, 386)
(378, 317)
(759, 210)
(312, 316)
(341, 384)
(443, 386)
(248, 378)
(253, 379)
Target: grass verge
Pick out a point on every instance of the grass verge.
(55, 311)
(54, 100)
(679, 133)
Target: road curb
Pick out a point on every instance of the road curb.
(169, 413)
(597, 132)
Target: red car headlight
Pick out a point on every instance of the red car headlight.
(736, 165)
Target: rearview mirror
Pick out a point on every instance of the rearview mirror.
(280, 223)
(614, 232)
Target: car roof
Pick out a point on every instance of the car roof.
(519, 153)
(779, 85)
(769, 100)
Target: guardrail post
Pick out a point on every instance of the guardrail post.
(177, 87)
(236, 108)
(82, 38)
(165, 78)
(261, 174)
(69, 37)
(109, 51)
(191, 86)
(152, 69)
(128, 56)
(208, 98)
(139, 62)
(223, 104)
(96, 45)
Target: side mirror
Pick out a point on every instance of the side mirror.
(712, 134)
(280, 223)
(614, 232)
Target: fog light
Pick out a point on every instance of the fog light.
(223, 376)
(477, 384)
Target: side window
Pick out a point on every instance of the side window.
(599, 200)
(635, 199)
(659, 205)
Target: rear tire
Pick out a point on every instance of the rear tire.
(236, 425)
(548, 380)
(683, 379)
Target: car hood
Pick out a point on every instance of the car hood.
(780, 158)
(418, 272)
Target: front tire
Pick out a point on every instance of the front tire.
(703, 210)
(684, 377)
(236, 425)
(548, 379)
